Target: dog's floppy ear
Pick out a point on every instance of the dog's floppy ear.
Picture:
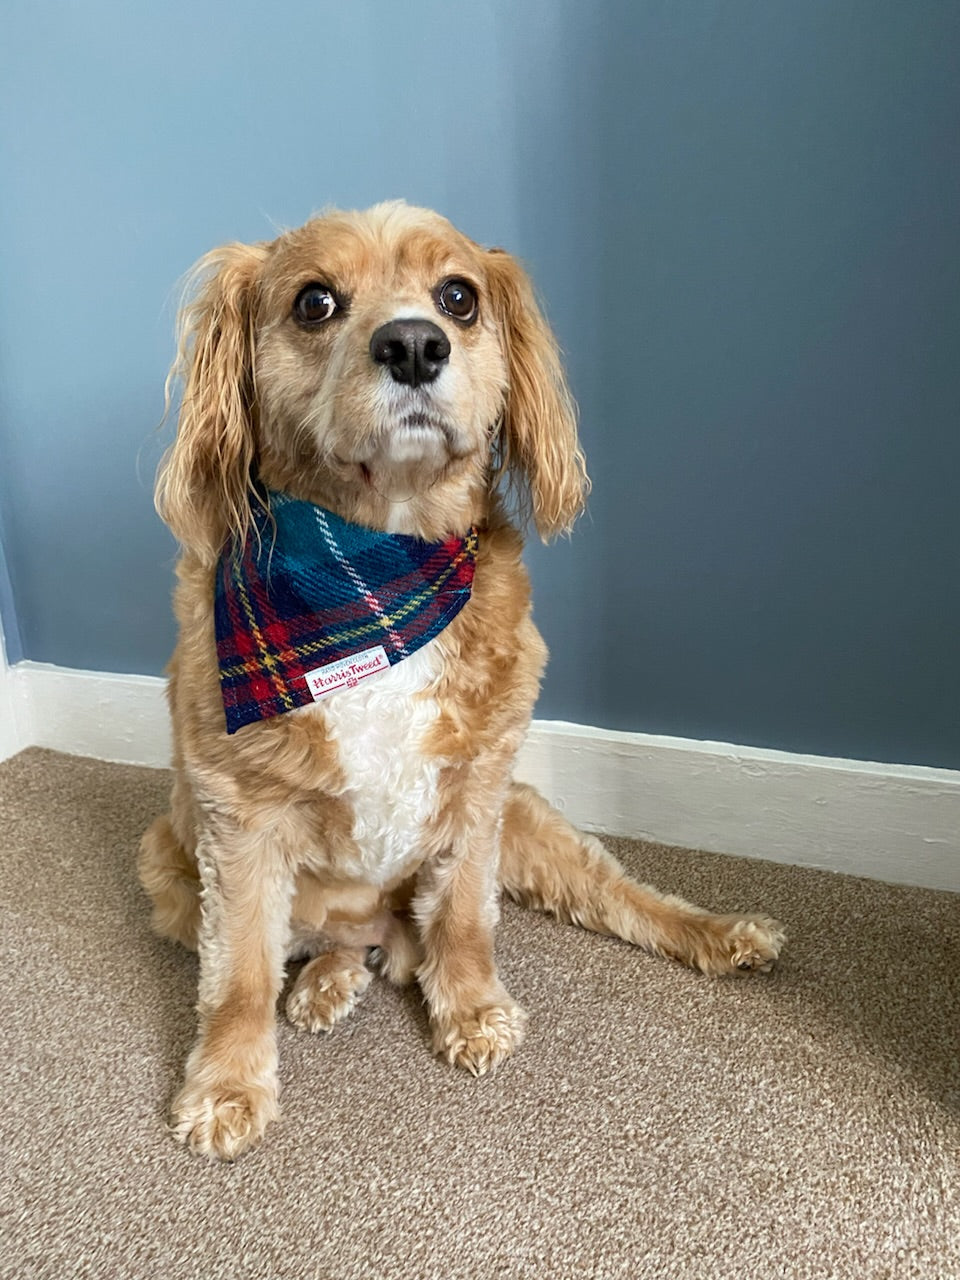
(539, 430)
(204, 483)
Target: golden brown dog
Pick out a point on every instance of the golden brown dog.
(384, 816)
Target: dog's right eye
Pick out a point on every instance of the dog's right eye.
(314, 304)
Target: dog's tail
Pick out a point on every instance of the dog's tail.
(545, 862)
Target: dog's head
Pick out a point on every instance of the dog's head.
(380, 363)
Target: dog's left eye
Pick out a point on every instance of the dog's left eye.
(314, 304)
(457, 299)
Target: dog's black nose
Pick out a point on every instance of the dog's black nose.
(413, 350)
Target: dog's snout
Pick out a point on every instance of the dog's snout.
(413, 350)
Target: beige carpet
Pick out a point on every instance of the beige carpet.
(655, 1123)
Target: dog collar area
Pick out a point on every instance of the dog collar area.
(312, 603)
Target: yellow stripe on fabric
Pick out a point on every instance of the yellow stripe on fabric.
(266, 657)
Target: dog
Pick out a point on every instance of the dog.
(380, 375)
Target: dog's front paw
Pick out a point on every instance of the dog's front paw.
(482, 1040)
(225, 1121)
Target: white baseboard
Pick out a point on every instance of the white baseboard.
(889, 822)
(92, 713)
(11, 739)
(899, 823)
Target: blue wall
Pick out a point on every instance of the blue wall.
(742, 215)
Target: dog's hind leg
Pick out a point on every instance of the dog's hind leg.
(169, 874)
(327, 988)
(167, 866)
(545, 862)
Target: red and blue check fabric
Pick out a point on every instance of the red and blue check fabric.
(308, 588)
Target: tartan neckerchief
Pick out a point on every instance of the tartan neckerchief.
(312, 603)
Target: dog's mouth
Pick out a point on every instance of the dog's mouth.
(410, 433)
(423, 423)
(421, 431)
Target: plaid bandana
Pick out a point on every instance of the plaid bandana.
(314, 604)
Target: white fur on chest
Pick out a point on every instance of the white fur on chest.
(379, 727)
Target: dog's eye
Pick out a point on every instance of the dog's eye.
(457, 299)
(314, 304)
